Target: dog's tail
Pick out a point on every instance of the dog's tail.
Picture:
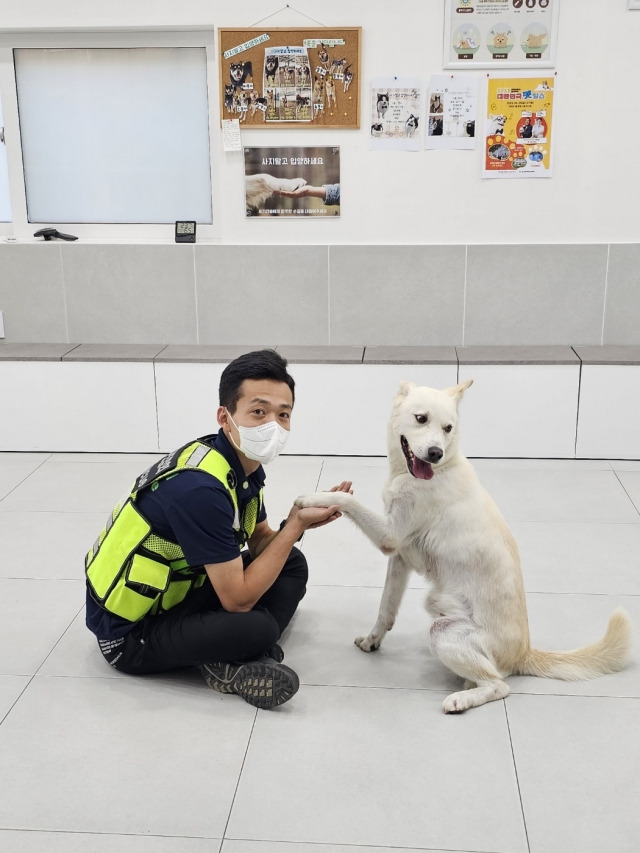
(610, 654)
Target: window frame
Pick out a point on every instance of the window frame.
(20, 228)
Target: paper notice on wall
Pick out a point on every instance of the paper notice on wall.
(231, 134)
(452, 102)
(518, 127)
(395, 113)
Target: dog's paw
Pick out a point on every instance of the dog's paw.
(367, 644)
(319, 499)
(456, 703)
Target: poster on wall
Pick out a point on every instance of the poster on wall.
(500, 33)
(452, 100)
(395, 113)
(518, 127)
(634, 4)
(292, 182)
(291, 78)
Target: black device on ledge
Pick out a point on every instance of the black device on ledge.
(185, 231)
(53, 233)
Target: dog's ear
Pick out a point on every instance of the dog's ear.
(404, 389)
(457, 391)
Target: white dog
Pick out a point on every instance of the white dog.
(495, 124)
(258, 188)
(441, 523)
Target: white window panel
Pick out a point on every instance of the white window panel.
(114, 135)
(5, 203)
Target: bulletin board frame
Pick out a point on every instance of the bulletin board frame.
(294, 78)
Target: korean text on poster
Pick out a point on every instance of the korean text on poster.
(292, 182)
(500, 33)
(452, 102)
(395, 114)
(518, 127)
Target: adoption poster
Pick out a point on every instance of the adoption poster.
(507, 33)
(292, 182)
(452, 100)
(518, 127)
(395, 113)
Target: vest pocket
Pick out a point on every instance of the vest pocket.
(140, 585)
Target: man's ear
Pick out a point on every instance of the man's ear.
(457, 391)
(222, 416)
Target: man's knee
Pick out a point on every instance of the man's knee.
(296, 566)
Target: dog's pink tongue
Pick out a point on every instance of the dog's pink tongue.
(421, 469)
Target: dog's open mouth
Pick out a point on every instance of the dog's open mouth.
(417, 467)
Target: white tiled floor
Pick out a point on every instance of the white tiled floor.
(362, 760)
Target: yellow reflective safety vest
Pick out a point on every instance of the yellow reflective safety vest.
(130, 570)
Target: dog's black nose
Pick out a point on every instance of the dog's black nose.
(435, 454)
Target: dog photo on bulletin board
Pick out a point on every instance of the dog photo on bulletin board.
(291, 78)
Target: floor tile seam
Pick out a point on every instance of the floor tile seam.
(31, 578)
(615, 594)
(592, 594)
(237, 785)
(107, 834)
(515, 770)
(17, 699)
(442, 691)
(559, 695)
(322, 845)
(633, 503)
(23, 480)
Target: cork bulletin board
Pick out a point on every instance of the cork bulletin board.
(291, 78)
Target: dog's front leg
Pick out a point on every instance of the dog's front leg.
(394, 587)
(379, 529)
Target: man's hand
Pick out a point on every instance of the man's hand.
(311, 517)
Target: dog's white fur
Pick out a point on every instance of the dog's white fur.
(258, 188)
(448, 529)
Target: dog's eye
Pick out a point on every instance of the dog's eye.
(422, 419)
(448, 428)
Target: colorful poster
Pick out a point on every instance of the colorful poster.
(518, 128)
(452, 102)
(395, 114)
(292, 182)
(500, 33)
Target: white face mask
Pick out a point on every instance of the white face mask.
(261, 443)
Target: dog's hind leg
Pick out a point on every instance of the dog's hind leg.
(394, 587)
(457, 644)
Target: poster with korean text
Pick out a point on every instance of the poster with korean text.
(292, 182)
(290, 78)
(500, 33)
(518, 127)
(452, 101)
(395, 114)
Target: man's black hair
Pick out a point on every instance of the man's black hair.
(260, 364)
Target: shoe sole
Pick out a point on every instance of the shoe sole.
(260, 684)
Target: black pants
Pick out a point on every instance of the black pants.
(199, 630)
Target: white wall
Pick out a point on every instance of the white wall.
(428, 197)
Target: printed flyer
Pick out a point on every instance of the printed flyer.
(292, 182)
(518, 128)
(453, 102)
(395, 113)
(505, 33)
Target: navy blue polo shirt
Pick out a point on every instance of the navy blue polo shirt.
(194, 510)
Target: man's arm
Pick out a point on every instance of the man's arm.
(238, 589)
